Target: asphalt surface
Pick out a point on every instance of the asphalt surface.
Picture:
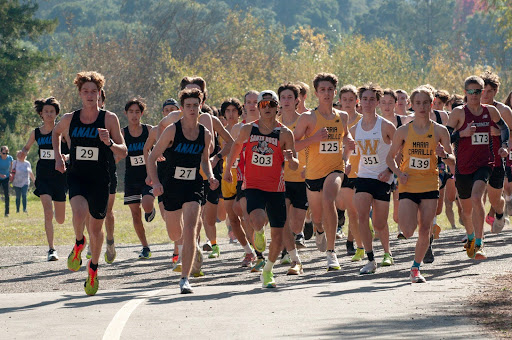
(140, 298)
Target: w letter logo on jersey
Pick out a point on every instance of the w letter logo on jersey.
(369, 147)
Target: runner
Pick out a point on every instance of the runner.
(268, 145)
(475, 158)
(440, 100)
(185, 146)
(418, 174)
(232, 109)
(93, 133)
(495, 185)
(373, 135)
(323, 132)
(295, 186)
(402, 102)
(50, 184)
(508, 184)
(345, 199)
(136, 191)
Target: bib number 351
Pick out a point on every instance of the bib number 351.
(261, 160)
(87, 154)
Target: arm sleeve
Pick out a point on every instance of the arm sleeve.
(504, 130)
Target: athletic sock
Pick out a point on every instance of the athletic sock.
(320, 232)
(478, 242)
(180, 249)
(147, 248)
(294, 255)
(213, 242)
(415, 265)
(435, 221)
(110, 242)
(80, 242)
(471, 236)
(508, 197)
(350, 244)
(258, 254)
(431, 239)
(499, 216)
(93, 266)
(248, 249)
(268, 266)
(370, 255)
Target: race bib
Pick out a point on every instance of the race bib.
(46, 154)
(261, 160)
(330, 147)
(87, 153)
(235, 165)
(137, 160)
(370, 160)
(419, 163)
(480, 138)
(186, 174)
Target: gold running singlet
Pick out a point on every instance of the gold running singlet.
(325, 157)
(420, 161)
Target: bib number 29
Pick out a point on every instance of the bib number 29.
(87, 154)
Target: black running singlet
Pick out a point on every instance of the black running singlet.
(135, 163)
(46, 164)
(88, 155)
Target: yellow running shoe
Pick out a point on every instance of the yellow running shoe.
(215, 252)
(91, 284)
(267, 278)
(75, 257)
(359, 255)
(470, 248)
(387, 260)
(260, 241)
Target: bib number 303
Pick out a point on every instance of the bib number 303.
(87, 154)
(329, 147)
(186, 174)
(261, 160)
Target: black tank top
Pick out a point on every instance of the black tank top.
(46, 164)
(398, 122)
(135, 164)
(88, 155)
(183, 158)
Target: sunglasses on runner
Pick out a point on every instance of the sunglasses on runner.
(474, 91)
(267, 103)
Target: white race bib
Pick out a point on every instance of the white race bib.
(330, 147)
(87, 153)
(261, 160)
(480, 138)
(46, 154)
(371, 160)
(186, 174)
(235, 165)
(137, 160)
(419, 163)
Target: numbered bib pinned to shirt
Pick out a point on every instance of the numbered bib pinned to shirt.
(46, 154)
(185, 174)
(329, 147)
(370, 160)
(261, 160)
(419, 163)
(137, 160)
(87, 153)
(480, 138)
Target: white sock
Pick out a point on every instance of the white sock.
(180, 249)
(294, 255)
(508, 197)
(268, 266)
(248, 249)
(435, 221)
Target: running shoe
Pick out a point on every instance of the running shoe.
(175, 258)
(489, 220)
(232, 237)
(295, 269)
(150, 216)
(350, 248)
(321, 242)
(308, 230)
(332, 261)
(52, 255)
(372, 231)
(401, 236)
(285, 258)
(387, 260)
(267, 279)
(91, 284)
(299, 241)
(198, 274)
(75, 257)
(480, 253)
(436, 231)
(368, 268)
(359, 255)
(89, 254)
(198, 261)
(215, 252)
(207, 246)
(464, 239)
(248, 260)
(177, 268)
(145, 253)
(415, 276)
(185, 287)
(258, 266)
(110, 253)
(499, 224)
(429, 255)
(339, 233)
(260, 241)
(508, 207)
(470, 248)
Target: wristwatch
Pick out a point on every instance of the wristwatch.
(111, 143)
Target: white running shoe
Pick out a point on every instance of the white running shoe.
(321, 242)
(332, 261)
(52, 255)
(185, 287)
(369, 268)
(499, 224)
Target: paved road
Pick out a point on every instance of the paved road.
(139, 299)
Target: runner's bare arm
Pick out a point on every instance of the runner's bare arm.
(225, 135)
(59, 129)
(113, 137)
(306, 124)
(444, 149)
(165, 141)
(205, 162)
(396, 146)
(31, 140)
(206, 120)
(237, 147)
(171, 118)
(288, 147)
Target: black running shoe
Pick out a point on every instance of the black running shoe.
(429, 255)
(308, 230)
(350, 248)
(150, 216)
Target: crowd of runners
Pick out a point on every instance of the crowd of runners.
(268, 160)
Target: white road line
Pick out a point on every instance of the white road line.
(116, 326)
